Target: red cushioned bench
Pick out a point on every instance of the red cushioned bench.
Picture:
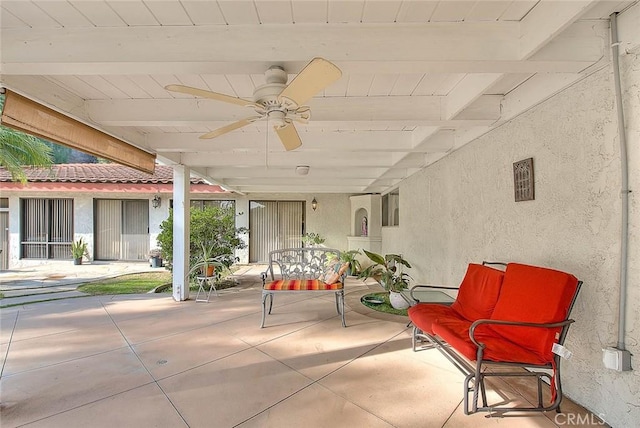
(307, 269)
(513, 318)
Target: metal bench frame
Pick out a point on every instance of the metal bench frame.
(300, 264)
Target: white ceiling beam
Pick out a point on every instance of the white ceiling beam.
(184, 112)
(302, 188)
(313, 141)
(129, 112)
(441, 141)
(584, 39)
(289, 171)
(288, 159)
(563, 64)
(546, 20)
(484, 107)
(469, 89)
(459, 41)
(328, 180)
(534, 91)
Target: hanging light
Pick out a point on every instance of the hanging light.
(314, 204)
(156, 201)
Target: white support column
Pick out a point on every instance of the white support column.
(181, 219)
(242, 220)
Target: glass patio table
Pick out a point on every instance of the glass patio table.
(425, 294)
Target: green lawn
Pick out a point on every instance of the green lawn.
(140, 283)
(383, 307)
(128, 284)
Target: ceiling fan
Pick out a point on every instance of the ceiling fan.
(280, 103)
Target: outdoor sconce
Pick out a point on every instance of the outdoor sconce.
(314, 204)
(156, 201)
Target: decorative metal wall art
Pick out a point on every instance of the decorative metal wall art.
(523, 184)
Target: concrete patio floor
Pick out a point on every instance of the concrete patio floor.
(146, 360)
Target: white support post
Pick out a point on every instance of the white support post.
(181, 207)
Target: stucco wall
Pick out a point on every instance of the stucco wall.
(461, 209)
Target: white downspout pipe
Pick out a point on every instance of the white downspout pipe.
(624, 239)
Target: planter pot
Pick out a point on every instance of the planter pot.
(77, 261)
(209, 272)
(397, 301)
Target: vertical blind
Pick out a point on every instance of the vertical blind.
(108, 228)
(274, 225)
(122, 229)
(47, 228)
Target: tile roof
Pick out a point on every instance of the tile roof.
(97, 173)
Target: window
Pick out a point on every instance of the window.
(391, 208)
(202, 203)
(47, 228)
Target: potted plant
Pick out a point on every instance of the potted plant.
(79, 249)
(206, 263)
(351, 258)
(387, 270)
(155, 258)
(312, 239)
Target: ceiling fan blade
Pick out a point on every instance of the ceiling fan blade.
(313, 78)
(208, 94)
(289, 136)
(228, 128)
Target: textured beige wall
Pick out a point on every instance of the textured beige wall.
(461, 209)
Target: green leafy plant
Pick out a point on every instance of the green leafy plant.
(387, 270)
(213, 236)
(79, 249)
(351, 258)
(207, 258)
(312, 239)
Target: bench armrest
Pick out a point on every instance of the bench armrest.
(477, 323)
(436, 287)
(265, 274)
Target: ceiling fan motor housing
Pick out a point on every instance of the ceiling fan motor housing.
(267, 95)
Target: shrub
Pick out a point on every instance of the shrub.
(211, 227)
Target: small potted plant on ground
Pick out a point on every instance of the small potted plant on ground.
(351, 258)
(387, 270)
(155, 258)
(79, 249)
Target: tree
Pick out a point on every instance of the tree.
(18, 150)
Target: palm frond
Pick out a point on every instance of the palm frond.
(18, 150)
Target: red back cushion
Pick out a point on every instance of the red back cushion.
(478, 292)
(538, 295)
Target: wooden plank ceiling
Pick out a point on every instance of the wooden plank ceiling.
(420, 79)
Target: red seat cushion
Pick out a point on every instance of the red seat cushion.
(301, 285)
(537, 295)
(456, 333)
(478, 292)
(423, 315)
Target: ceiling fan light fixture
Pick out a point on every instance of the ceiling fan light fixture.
(302, 169)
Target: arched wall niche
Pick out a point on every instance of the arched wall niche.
(369, 207)
(361, 223)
